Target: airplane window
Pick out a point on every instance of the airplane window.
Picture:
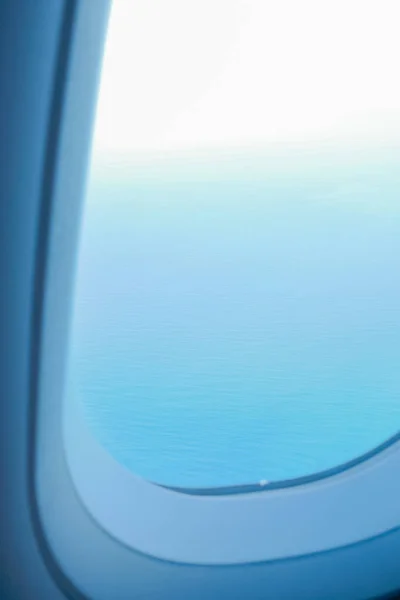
(237, 315)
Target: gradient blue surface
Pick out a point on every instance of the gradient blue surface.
(238, 319)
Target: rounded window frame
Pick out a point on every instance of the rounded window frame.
(190, 529)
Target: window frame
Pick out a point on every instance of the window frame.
(119, 540)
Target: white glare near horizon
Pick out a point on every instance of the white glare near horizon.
(180, 75)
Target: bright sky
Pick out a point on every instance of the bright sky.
(214, 73)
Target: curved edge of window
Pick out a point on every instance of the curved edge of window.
(284, 483)
(81, 39)
(350, 506)
(108, 528)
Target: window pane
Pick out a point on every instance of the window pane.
(237, 311)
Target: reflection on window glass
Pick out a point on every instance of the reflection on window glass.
(237, 313)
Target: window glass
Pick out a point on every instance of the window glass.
(237, 314)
